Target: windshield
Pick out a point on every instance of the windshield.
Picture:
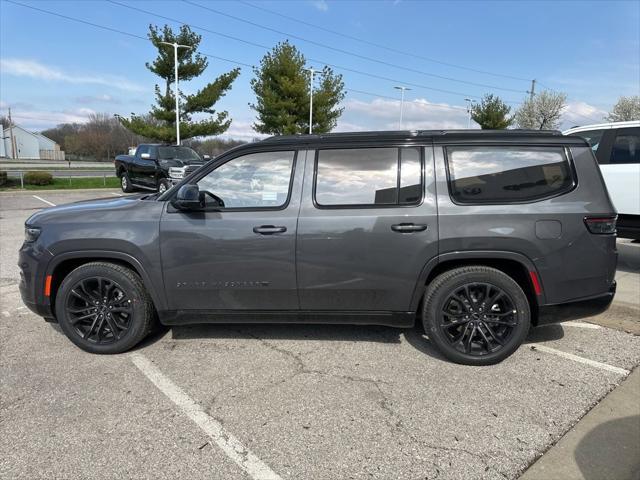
(177, 153)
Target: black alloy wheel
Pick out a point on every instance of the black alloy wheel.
(476, 315)
(104, 307)
(478, 318)
(99, 310)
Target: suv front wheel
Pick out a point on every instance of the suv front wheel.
(125, 183)
(104, 308)
(476, 315)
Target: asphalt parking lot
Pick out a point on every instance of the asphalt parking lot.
(291, 402)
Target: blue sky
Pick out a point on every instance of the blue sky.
(56, 70)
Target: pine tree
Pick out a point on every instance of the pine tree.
(281, 85)
(191, 64)
(492, 113)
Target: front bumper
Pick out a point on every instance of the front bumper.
(586, 307)
(33, 261)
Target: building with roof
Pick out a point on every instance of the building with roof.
(18, 142)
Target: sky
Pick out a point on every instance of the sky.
(55, 70)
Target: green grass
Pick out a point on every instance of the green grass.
(64, 184)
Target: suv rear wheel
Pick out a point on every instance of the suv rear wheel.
(476, 315)
(104, 308)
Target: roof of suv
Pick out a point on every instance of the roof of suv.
(408, 134)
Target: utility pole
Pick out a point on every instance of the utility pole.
(175, 60)
(402, 90)
(12, 140)
(470, 103)
(532, 92)
(311, 71)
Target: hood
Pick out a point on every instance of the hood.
(98, 210)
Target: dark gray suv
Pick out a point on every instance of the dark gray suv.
(476, 234)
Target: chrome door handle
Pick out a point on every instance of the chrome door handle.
(268, 229)
(408, 227)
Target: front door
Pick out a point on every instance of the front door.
(367, 227)
(240, 256)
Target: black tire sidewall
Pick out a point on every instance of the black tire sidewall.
(137, 327)
(164, 182)
(439, 290)
(129, 187)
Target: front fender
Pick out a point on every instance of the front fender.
(151, 276)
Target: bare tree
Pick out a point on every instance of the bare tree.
(542, 112)
(626, 109)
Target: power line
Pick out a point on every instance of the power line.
(129, 34)
(315, 60)
(378, 45)
(337, 49)
(388, 97)
(132, 35)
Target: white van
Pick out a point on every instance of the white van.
(617, 148)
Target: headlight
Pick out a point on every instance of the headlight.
(176, 172)
(31, 234)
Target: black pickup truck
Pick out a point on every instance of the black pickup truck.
(156, 166)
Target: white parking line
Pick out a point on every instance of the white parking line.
(576, 358)
(43, 200)
(116, 194)
(230, 445)
(582, 325)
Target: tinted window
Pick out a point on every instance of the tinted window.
(177, 153)
(257, 180)
(626, 148)
(142, 149)
(368, 176)
(593, 138)
(507, 174)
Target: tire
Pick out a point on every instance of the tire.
(125, 183)
(98, 326)
(163, 185)
(464, 327)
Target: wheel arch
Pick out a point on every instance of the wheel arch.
(65, 263)
(516, 265)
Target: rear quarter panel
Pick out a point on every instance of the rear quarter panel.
(571, 262)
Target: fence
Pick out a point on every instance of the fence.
(52, 155)
(68, 174)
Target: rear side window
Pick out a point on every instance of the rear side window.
(626, 148)
(507, 174)
(593, 138)
(368, 177)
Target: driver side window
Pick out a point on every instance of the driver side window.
(256, 180)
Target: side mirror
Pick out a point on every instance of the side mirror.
(188, 198)
(206, 158)
(146, 156)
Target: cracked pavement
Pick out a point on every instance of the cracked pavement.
(321, 402)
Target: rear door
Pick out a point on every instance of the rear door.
(367, 227)
(242, 256)
(622, 171)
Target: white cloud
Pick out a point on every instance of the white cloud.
(29, 68)
(581, 113)
(33, 119)
(418, 114)
(321, 5)
(101, 98)
(242, 130)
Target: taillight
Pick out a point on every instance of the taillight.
(601, 225)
